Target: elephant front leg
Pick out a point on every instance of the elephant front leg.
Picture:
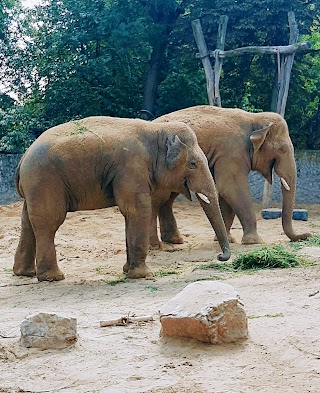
(236, 194)
(154, 241)
(24, 259)
(137, 220)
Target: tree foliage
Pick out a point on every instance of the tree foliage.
(68, 59)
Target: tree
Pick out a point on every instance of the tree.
(87, 60)
(75, 58)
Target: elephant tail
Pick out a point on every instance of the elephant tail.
(17, 179)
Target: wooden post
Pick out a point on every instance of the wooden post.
(223, 22)
(287, 66)
(285, 57)
(205, 58)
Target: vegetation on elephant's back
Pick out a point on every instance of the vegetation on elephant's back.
(71, 59)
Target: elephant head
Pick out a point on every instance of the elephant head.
(186, 170)
(273, 150)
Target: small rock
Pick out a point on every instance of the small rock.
(48, 331)
(208, 311)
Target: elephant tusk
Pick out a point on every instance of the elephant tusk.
(203, 197)
(285, 184)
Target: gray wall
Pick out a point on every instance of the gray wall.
(308, 182)
(8, 164)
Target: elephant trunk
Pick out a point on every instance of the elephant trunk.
(210, 204)
(288, 196)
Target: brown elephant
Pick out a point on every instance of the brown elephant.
(236, 142)
(100, 162)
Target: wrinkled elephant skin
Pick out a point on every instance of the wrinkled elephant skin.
(236, 142)
(99, 162)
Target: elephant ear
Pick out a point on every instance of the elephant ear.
(176, 152)
(258, 137)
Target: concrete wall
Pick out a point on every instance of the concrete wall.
(308, 180)
(308, 183)
(8, 164)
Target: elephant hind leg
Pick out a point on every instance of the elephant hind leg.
(24, 260)
(45, 223)
(228, 216)
(168, 225)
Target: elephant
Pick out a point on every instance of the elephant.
(99, 162)
(236, 142)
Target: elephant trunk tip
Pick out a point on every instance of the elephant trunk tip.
(225, 255)
(302, 236)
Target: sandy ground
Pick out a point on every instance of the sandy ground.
(281, 355)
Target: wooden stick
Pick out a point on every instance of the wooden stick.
(123, 321)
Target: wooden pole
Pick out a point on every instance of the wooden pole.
(205, 58)
(287, 66)
(223, 22)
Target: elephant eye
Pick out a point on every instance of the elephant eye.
(283, 148)
(192, 164)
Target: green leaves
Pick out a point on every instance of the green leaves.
(14, 130)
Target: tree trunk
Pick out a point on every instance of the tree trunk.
(150, 90)
(166, 20)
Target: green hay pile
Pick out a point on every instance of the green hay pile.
(267, 258)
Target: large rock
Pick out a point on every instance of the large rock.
(48, 331)
(208, 311)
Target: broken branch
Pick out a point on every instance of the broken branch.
(123, 321)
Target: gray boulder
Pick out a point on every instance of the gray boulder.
(48, 331)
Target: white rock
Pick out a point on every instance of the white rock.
(208, 311)
(48, 331)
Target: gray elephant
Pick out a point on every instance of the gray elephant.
(236, 142)
(100, 162)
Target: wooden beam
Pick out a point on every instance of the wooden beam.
(205, 58)
(264, 50)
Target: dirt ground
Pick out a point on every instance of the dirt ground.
(281, 355)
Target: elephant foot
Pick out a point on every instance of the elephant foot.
(231, 238)
(24, 272)
(155, 245)
(140, 272)
(51, 275)
(252, 238)
(154, 242)
(126, 267)
(174, 239)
